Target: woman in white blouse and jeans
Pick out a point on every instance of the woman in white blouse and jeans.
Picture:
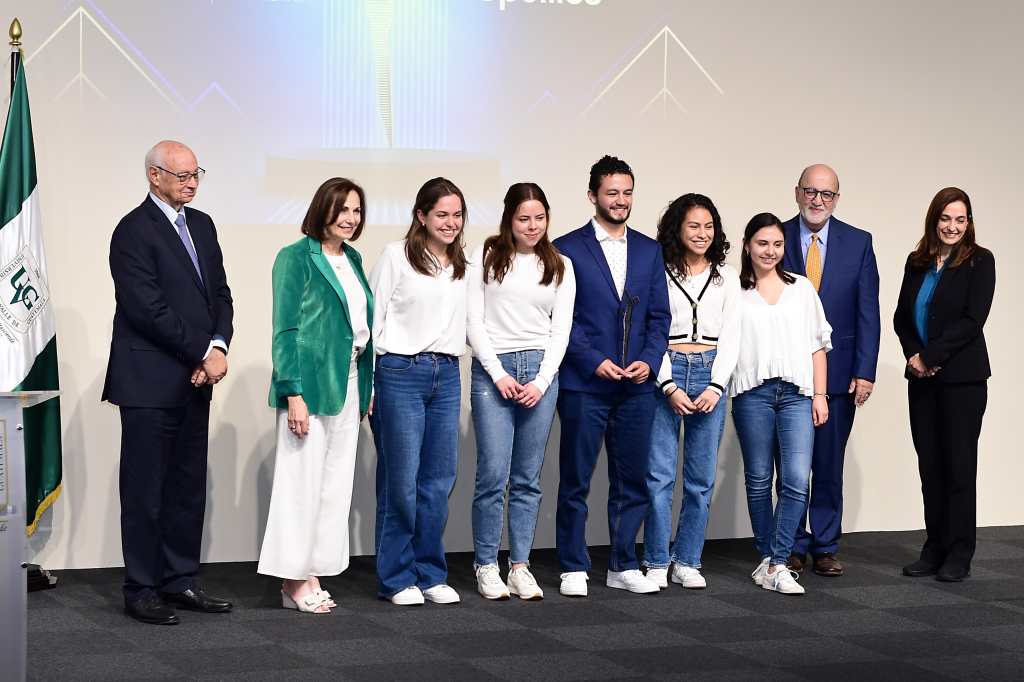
(704, 296)
(779, 396)
(520, 300)
(419, 332)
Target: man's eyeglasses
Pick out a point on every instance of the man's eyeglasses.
(826, 195)
(183, 177)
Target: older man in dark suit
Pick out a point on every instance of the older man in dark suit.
(172, 328)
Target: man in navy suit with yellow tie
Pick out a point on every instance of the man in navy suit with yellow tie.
(840, 262)
(172, 328)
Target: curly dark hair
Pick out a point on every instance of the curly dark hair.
(670, 238)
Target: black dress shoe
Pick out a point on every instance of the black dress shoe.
(197, 600)
(952, 573)
(150, 609)
(920, 568)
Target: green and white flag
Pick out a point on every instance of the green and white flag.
(28, 342)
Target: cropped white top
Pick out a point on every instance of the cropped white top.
(777, 341)
(705, 310)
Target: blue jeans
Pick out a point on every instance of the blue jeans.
(415, 426)
(510, 443)
(775, 419)
(702, 433)
(622, 420)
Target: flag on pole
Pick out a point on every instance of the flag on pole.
(28, 342)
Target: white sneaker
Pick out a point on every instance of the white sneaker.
(659, 576)
(489, 584)
(441, 594)
(410, 596)
(782, 580)
(574, 584)
(632, 580)
(689, 577)
(522, 584)
(762, 569)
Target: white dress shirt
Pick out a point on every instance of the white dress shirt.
(355, 296)
(614, 252)
(520, 314)
(416, 313)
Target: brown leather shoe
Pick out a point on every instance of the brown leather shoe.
(795, 563)
(828, 566)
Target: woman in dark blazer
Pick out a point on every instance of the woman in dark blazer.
(321, 387)
(944, 301)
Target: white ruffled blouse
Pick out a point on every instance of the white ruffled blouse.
(777, 341)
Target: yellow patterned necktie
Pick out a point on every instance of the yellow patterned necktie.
(814, 263)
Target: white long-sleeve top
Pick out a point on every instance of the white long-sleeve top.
(705, 311)
(778, 340)
(519, 313)
(416, 313)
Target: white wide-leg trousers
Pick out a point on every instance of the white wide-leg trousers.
(307, 528)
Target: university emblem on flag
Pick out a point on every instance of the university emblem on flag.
(23, 291)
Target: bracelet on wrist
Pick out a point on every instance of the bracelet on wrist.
(823, 395)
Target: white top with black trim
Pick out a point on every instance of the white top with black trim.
(705, 310)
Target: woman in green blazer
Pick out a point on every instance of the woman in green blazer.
(321, 387)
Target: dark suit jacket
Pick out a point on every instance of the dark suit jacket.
(165, 317)
(849, 295)
(601, 327)
(956, 317)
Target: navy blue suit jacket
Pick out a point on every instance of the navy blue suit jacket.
(165, 315)
(601, 327)
(849, 295)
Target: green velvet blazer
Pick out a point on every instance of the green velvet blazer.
(312, 345)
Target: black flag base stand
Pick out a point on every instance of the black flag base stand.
(40, 579)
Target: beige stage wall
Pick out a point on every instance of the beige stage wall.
(730, 99)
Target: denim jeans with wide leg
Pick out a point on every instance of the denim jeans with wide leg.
(702, 433)
(775, 418)
(416, 431)
(622, 420)
(510, 443)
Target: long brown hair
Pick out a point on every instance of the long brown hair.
(748, 277)
(327, 204)
(928, 248)
(420, 259)
(500, 249)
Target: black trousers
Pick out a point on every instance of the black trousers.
(163, 495)
(945, 422)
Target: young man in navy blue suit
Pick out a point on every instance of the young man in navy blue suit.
(619, 334)
(840, 262)
(172, 327)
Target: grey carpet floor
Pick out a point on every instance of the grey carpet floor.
(871, 624)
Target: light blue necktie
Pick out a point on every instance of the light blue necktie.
(187, 243)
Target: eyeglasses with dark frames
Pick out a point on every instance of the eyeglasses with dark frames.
(827, 196)
(183, 177)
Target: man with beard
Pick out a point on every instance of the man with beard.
(840, 262)
(619, 332)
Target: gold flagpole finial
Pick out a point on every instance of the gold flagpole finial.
(15, 34)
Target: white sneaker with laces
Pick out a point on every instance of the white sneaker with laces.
(632, 580)
(410, 596)
(659, 576)
(441, 594)
(489, 584)
(689, 577)
(783, 581)
(522, 584)
(574, 584)
(758, 575)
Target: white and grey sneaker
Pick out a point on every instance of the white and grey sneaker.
(522, 584)
(659, 576)
(441, 594)
(410, 596)
(783, 581)
(574, 584)
(632, 580)
(689, 577)
(758, 575)
(489, 584)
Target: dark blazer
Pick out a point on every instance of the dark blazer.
(849, 295)
(165, 317)
(312, 346)
(605, 327)
(956, 317)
